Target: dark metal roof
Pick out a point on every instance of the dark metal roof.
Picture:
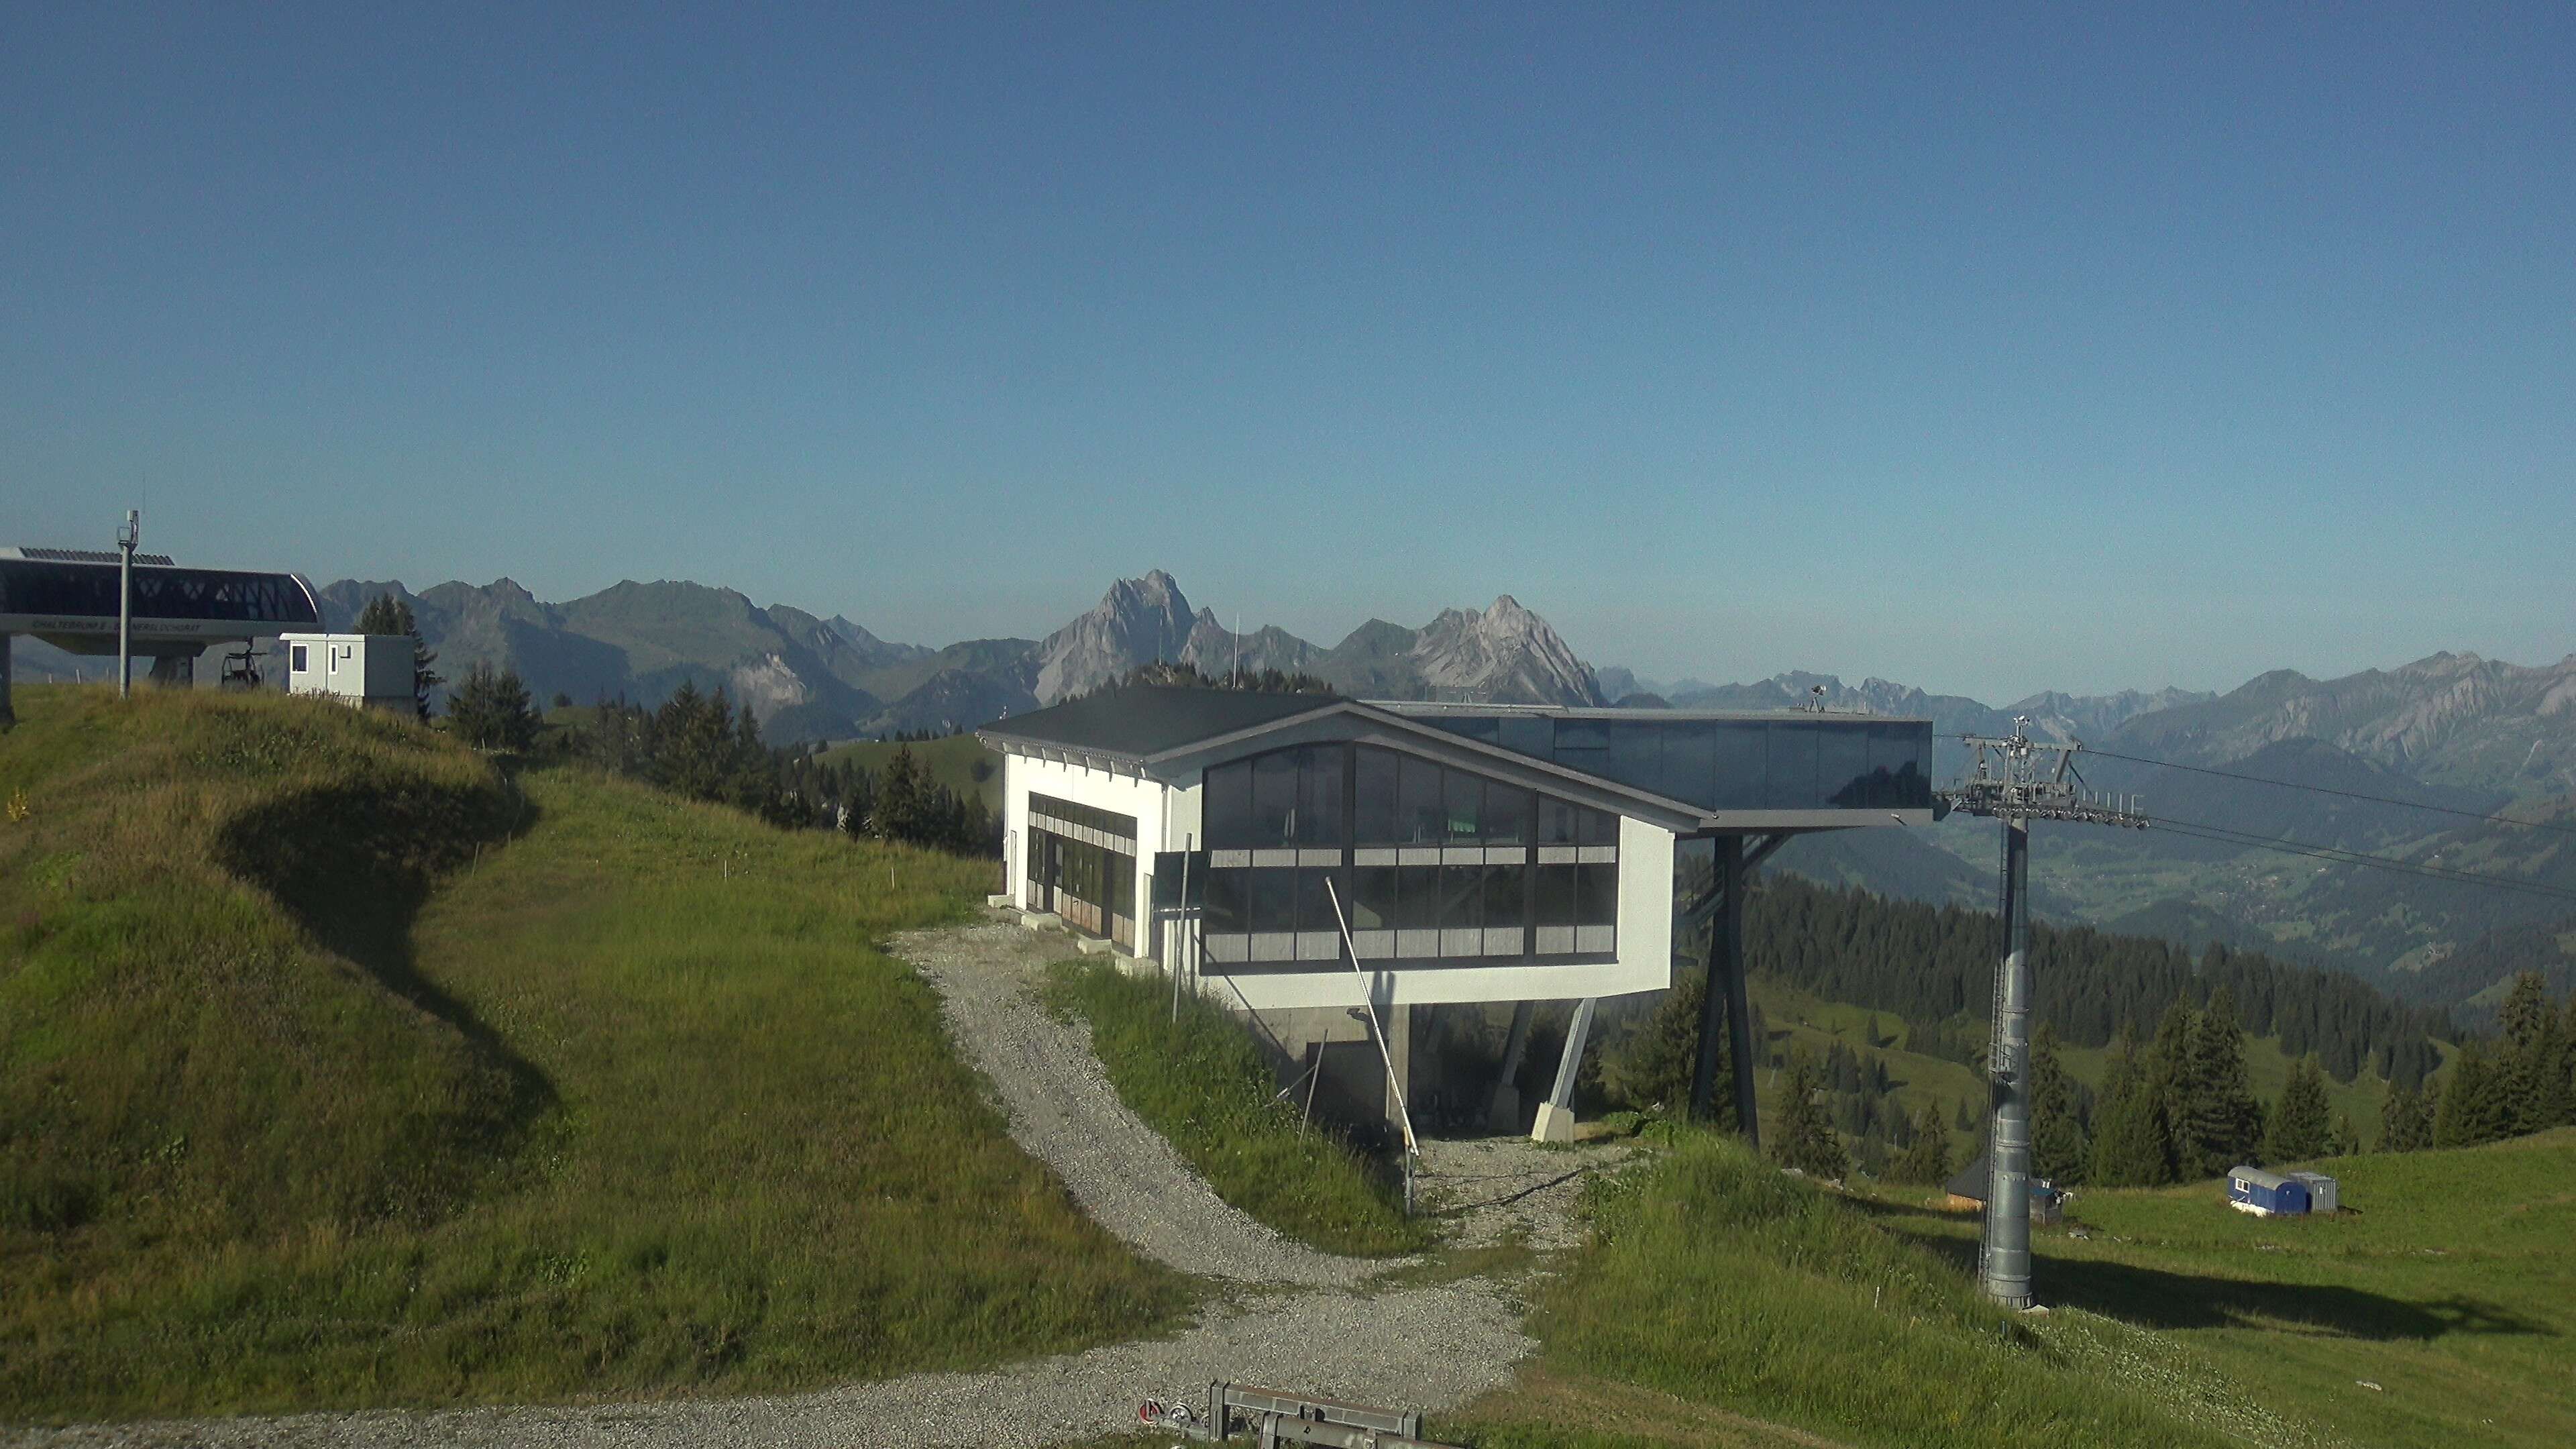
(1970, 1181)
(1144, 720)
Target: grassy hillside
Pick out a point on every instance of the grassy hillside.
(2450, 1287)
(1721, 1287)
(1202, 1083)
(959, 762)
(629, 1105)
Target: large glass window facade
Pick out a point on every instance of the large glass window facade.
(1081, 865)
(1803, 762)
(1430, 862)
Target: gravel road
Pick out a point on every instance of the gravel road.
(1298, 1319)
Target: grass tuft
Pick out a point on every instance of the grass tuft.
(1203, 1084)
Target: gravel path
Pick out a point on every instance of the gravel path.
(1301, 1320)
(1126, 1175)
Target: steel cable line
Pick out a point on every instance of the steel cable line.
(2329, 790)
(2222, 835)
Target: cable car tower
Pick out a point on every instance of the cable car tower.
(2018, 780)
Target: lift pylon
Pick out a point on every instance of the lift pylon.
(2017, 780)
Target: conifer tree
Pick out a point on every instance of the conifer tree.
(2404, 1124)
(385, 614)
(491, 711)
(2058, 1147)
(1803, 1137)
(2132, 1140)
(2474, 1106)
(1651, 1066)
(903, 800)
(2221, 1125)
(1926, 1160)
(2302, 1126)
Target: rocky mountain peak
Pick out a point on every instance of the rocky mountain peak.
(1136, 622)
(1506, 655)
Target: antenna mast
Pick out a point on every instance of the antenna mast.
(2015, 780)
(126, 538)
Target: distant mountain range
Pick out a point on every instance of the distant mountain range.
(2453, 732)
(806, 677)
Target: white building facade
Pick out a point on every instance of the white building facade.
(370, 670)
(1466, 854)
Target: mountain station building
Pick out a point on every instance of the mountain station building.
(1479, 854)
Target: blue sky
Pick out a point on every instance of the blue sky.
(1986, 350)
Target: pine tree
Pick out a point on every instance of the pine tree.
(2475, 1107)
(2221, 1125)
(2404, 1125)
(2302, 1127)
(1803, 1137)
(1926, 1159)
(903, 800)
(2058, 1148)
(2132, 1141)
(385, 614)
(1650, 1068)
(491, 711)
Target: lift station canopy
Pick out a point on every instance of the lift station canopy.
(68, 598)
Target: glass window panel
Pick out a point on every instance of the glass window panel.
(1504, 885)
(1553, 891)
(1596, 895)
(1637, 753)
(1226, 893)
(1418, 899)
(1555, 821)
(1690, 761)
(1314, 903)
(1895, 763)
(1464, 805)
(1375, 906)
(1274, 799)
(1274, 899)
(1741, 768)
(1462, 897)
(1842, 765)
(1599, 827)
(1375, 804)
(1319, 796)
(1228, 807)
(1582, 734)
(1529, 734)
(1793, 768)
(1507, 814)
(1485, 729)
(1424, 820)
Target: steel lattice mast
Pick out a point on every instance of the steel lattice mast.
(2011, 779)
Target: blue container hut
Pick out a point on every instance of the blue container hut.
(2265, 1194)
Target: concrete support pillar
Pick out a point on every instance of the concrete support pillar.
(174, 671)
(1556, 1115)
(1503, 1112)
(1398, 1021)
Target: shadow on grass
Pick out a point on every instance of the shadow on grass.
(354, 866)
(2155, 1298)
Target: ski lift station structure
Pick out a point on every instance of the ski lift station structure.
(1478, 853)
(68, 597)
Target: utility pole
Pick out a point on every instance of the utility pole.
(2009, 781)
(126, 538)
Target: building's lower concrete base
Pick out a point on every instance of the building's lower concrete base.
(1002, 903)
(1555, 1124)
(1093, 946)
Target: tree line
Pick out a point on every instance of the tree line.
(1936, 964)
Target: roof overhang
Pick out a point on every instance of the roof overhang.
(1369, 723)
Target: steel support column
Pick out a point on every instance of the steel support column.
(1726, 993)
(2007, 1240)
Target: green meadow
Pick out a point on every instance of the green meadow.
(343, 1068)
